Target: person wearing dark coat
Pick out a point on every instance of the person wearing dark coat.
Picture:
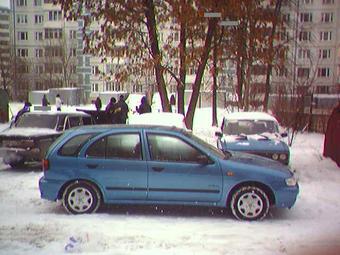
(26, 108)
(144, 106)
(44, 101)
(111, 111)
(98, 104)
(122, 110)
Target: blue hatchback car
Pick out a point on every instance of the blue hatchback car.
(137, 164)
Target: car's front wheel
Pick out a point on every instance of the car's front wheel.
(81, 197)
(250, 203)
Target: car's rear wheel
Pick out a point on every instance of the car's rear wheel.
(81, 197)
(250, 203)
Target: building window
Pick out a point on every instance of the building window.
(94, 87)
(95, 70)
(54, 15)
(73, 52)
(303, 53)
(324, 72)
(21, 2)
(322, 89)
(38, 19)
(324, 53)
(305, 36)
(73, 69)
(39, 53)
(53, 33)
(22, 53)
(286, 17)
(327, 1)
(37, 2)
(39, 69)
(73, 34)
(38, 36)
(306, 17)
(326, 36)
(22, 19)
(22, 36)
(53, 51)
(303, 72)
(327, 17)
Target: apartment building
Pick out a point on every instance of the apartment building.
(313, 33)
(45, 47)
(4, 46)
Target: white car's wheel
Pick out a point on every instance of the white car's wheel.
(81, 197)
(250, 203)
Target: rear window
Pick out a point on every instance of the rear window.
(37, 121)
(72, 147)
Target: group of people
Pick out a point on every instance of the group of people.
(117, 112)
(58, 102)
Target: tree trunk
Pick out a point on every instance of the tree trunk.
(156, 55)
(189, 118)
(182, 70)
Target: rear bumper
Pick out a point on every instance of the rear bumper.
(49, 189)
(19, 154)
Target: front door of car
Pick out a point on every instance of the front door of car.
(115, 162)
(179, 171)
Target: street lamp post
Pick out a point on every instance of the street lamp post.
(225, 23)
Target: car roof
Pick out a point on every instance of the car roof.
(57, 113)
(108, 127)
(249, 116)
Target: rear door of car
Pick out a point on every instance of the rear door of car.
(180, 171)
(115, 161)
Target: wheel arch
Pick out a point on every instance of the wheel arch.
(264, 187)
(66, 184)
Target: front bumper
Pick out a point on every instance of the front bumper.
(286, 197)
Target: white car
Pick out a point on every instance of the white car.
(159, 118)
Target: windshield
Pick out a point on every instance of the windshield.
(250, 127)
(214, 150)
(37, 121)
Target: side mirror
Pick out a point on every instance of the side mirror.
(284, 135)
(218, 134)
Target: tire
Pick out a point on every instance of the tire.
(250, 203)
(81, 197)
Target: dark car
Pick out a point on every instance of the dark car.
(28, 138)
(119, 164)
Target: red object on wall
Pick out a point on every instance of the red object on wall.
(332, 137)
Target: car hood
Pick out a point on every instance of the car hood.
(253, 143)
(254, 160)
(28, 132)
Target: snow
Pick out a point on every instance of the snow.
(158, 118)
(250, 116)
(32, 226)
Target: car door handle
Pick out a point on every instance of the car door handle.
(92, 166)
(158, 169)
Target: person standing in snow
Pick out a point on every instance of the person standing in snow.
(122, 109)
(44, 101)
(26, 108)
(58, 102)
(98, 104)
(111, 111)
(144, 106)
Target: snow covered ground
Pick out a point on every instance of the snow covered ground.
(32, 226)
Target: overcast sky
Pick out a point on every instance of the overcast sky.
(4, 3)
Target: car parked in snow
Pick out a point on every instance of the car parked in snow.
(253, 132)
(143, 164)
(159, 118)
(28, 138)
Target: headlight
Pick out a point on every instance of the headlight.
(291, 182)
(283, 156)
(275, 156)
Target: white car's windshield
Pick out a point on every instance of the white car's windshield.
(249, 127)
(37, 121)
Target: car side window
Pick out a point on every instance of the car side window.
(122, 146)
(175, 150)
(72, 147)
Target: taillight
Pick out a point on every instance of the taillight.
(45, 164)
